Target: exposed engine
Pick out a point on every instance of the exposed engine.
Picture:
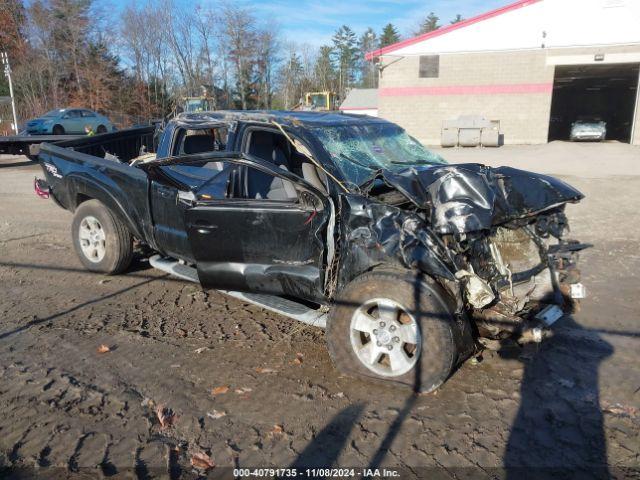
(514, 271)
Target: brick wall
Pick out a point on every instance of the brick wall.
(513, 87)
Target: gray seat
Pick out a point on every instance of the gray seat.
(264, 185)
(312, 175)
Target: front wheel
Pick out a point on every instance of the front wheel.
(393, 328)
(101, 129)
(103, 243)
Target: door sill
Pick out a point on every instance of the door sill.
(283, 306)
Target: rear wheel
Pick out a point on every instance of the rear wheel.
(58, 130)
(101, 129)
(393, 328)
(103, 243)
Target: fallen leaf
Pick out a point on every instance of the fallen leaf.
(298, 359)
(166, 416)
(216, 414)
(181, 332)
(202, 460)
(265, 370)
(103, 348)
(219, 390)
(277, 430)
(243, 390)
(201, 349)
(618, 409)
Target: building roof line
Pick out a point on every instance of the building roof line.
(449, 28)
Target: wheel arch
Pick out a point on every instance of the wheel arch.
(82, 189)
(464, 333)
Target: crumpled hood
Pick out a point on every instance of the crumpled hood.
(469, 197)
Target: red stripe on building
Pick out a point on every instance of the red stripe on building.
(450, 28)
(466, 90)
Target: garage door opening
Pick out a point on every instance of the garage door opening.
(594, 92)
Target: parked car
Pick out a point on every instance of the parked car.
(69, 121)
(340, 221)
(592, 129)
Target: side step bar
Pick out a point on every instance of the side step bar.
(283, 306)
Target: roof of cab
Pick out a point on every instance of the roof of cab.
(284, 117)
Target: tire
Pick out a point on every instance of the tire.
(101, 129)
(424, 309)
(58, 130)
(103, 243)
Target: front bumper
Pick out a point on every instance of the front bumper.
(587, 136)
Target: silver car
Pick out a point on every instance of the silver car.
(69, 120)
(588, 130)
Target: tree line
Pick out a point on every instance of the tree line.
(73, 53)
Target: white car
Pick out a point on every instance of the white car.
(592, 129)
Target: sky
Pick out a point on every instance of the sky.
(313, 22)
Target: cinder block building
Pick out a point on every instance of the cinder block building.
(536, 66)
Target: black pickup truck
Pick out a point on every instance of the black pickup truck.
(339, 221)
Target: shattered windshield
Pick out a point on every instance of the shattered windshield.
(360, 150)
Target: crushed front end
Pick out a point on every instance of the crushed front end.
(495, 238)
(518, 278)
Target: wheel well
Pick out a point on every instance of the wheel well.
(80, 198)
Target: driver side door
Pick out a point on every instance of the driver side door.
(271, 243)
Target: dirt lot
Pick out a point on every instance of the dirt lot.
(573, 402)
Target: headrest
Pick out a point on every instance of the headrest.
(198, 144)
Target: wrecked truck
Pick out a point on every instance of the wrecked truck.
(340, 221)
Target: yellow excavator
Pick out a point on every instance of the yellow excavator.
(318, 101)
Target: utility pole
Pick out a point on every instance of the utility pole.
(7, 73)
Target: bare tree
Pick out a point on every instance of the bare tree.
(240, 31)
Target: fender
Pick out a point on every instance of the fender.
(77, 184)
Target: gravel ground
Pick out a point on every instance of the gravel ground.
(573, 402)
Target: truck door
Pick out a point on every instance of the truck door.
(266, 236)
(167, 209)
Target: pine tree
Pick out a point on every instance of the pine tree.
(345, 57)
(429, 24)
(389, 36)
(458, 19)
(324, 73)
(368, 42)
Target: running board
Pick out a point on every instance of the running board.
(283, 306)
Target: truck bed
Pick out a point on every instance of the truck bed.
(29, 145)
(125, 144)
(98, 167)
